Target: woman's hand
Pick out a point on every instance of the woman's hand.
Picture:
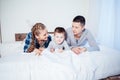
(38, 51)
(78, 50)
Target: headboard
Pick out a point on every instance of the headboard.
(21, 36)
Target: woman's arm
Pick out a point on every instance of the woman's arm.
(28, 40)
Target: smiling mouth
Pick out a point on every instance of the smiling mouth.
(58, 41)
(73, 32)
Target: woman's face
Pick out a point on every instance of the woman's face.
(43, 35)
(77, 28)
(59, 37)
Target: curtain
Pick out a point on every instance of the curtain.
(0, 34)
(117, 31)
(109, 23)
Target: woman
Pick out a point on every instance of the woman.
(78, 36)
(37, 39)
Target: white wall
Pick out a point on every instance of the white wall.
(93, 16)
(18, 16)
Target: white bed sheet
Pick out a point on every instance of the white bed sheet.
(30, 67)
(81, 64)
(107, 61)
(95, 65)
(68, 66)
(11, 48)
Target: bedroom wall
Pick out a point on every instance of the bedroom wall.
(0, 30)
(18, 16)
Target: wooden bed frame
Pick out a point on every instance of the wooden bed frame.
(22, 36)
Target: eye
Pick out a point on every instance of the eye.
(57, 36)
(61, 37)
(76, 27)
(73, 26)
(44, 34)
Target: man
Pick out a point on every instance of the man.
(78, 37)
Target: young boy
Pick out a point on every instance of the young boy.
(58, 44)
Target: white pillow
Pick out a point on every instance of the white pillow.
(11, 48)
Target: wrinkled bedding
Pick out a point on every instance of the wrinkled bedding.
(59, 66)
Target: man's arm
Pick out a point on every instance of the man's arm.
(92, 43)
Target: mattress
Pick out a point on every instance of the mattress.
(16, 65)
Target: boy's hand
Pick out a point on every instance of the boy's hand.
(60, 50)
(52, 50)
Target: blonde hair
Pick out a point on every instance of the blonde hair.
(35, 31)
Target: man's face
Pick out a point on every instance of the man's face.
(77, 28)
(59, 37)
(43, 35)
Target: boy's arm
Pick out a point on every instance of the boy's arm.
(50, 47)
(66, 47)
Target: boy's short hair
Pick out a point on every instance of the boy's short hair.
(60, 30)
(80, 19)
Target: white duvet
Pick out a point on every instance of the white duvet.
(82, 64)
(61, 66)
(107, 61)
(30, 67)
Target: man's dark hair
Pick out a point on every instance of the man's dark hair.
(80, 19)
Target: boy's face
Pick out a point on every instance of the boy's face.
(77, 28)
(59, 37)
(43, 35)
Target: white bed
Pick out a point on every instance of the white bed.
(108, 62)
(16, 65)
(21, 66)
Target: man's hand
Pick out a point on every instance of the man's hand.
(83, 49)
(78, 50)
